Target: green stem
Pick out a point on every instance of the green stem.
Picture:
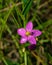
(4, 61)
(25, 58)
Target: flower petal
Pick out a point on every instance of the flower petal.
(29, 26)
(32, 40)
(21, 32)
(36, 33)
(23, 40)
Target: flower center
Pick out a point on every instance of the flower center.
(27, 33)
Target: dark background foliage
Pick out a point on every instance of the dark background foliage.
(15, 14)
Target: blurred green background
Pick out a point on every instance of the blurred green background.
(15, 14)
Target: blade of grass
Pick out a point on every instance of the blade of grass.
(27, 7)
(21, 16)
(25, 58)
(15, 21)
(5, 18)
(47, 23)
(5, 62)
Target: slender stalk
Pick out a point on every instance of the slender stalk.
(25, 58)
(5, 62)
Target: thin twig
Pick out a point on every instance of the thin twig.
(38, 58)
(7, 8)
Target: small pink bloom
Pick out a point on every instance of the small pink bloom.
(28, 34)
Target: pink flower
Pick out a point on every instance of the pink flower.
(28, 34)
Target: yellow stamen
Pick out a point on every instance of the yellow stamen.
(27, 33)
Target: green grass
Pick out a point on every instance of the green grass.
(15, 14)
